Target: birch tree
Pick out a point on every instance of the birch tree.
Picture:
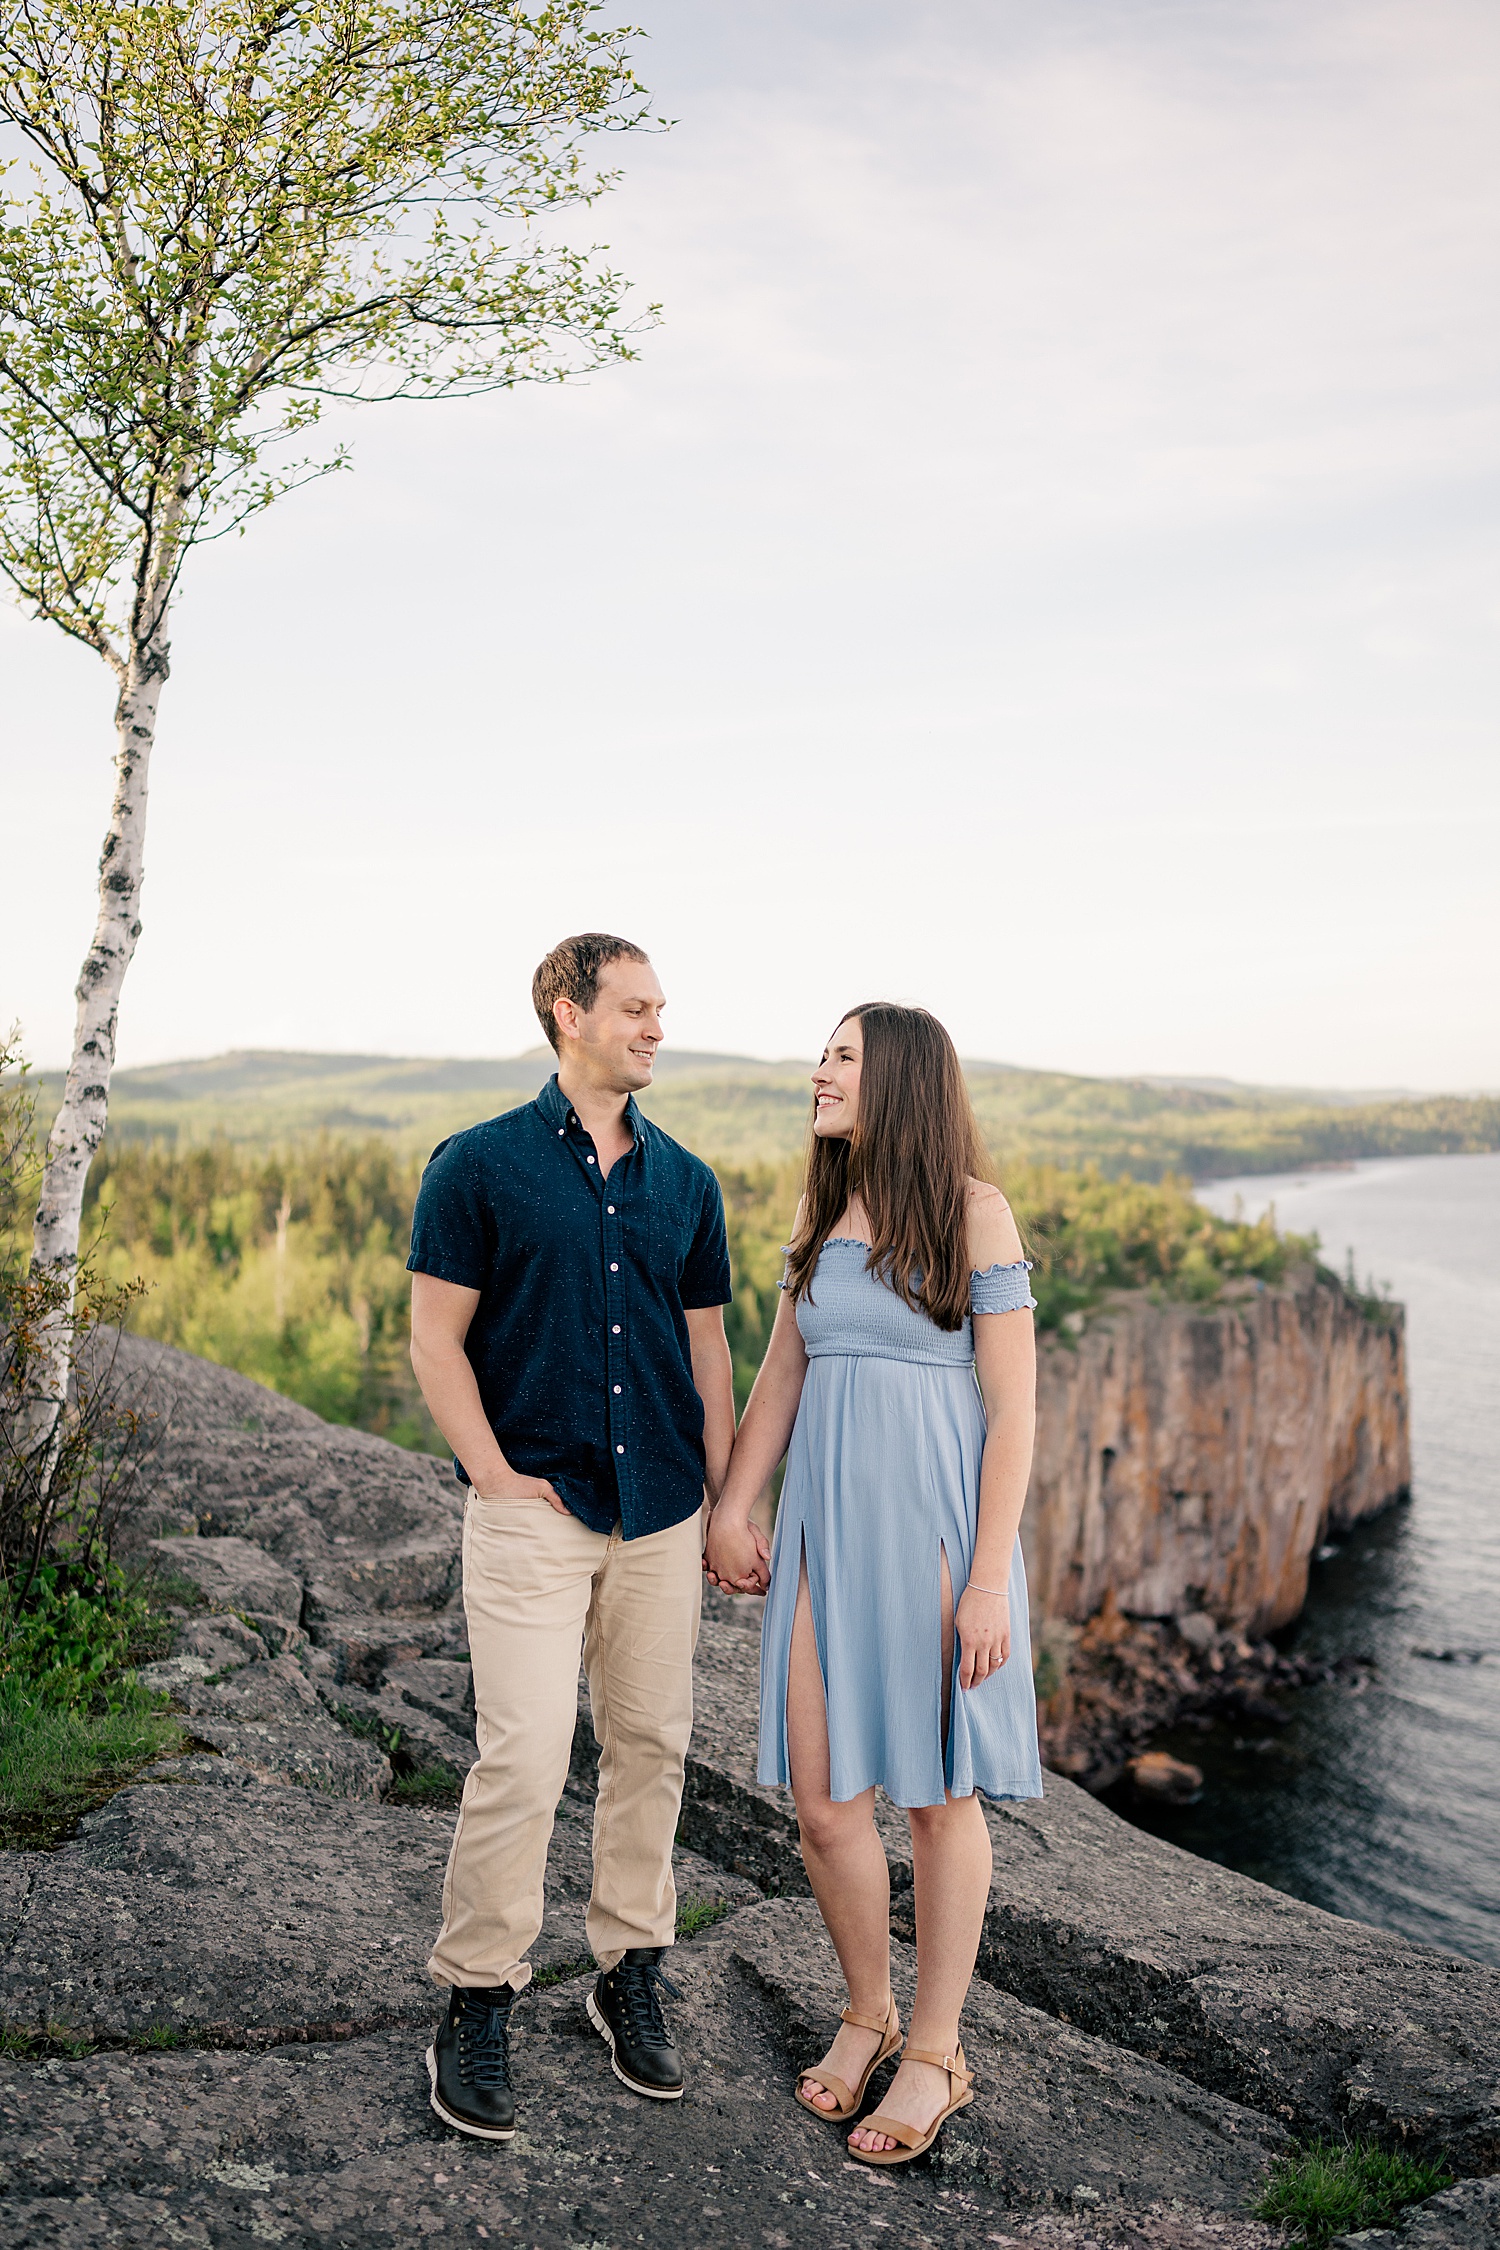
(219, 215)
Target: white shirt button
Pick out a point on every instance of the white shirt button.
(613, 1267)
(591, 1160)
(609, 1207)
(559, 1132)
(616, 1330)
(619, 1449)
(617, 1390)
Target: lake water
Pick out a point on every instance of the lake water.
(1385, 1804)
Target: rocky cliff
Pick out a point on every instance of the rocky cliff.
(1191, 1459)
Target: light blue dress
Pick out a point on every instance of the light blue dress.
(882, 1474)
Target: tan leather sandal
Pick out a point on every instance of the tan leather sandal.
(889, 2027)
(914, 2141)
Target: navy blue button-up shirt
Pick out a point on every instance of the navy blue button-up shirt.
(579, 1342)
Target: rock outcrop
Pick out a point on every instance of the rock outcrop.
(241, 1937)
(1466, 2217)
(1190, 1459)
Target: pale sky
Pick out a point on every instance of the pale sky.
(1044, 566)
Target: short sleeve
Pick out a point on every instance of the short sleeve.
(704, 1280)
(453, 1226)
(1002, 1289)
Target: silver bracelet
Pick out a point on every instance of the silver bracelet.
(1000, 1594)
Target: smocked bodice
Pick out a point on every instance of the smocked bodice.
(851, 1314)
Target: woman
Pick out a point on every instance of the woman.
(895, 1649)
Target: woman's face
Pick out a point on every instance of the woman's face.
(836, 1083)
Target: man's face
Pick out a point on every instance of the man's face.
(614, 1045)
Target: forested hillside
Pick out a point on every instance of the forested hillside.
(734, 1109)
(265, 1199)
(290, 1265)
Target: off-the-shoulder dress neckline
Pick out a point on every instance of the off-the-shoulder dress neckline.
(852, 1242)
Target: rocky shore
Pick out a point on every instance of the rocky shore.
(1122, 1680)
(216, 1997)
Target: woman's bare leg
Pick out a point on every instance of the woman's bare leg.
(951, 1867)
(844, 1858)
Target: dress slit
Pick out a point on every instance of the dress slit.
(946, 1671)
(804, 1570)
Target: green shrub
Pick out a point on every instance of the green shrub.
(72, 1640)
(1328, 2188)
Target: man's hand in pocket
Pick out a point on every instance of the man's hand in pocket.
(510, 1486)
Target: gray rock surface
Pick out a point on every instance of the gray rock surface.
(321, 2144)
(312, 1754)
(224, 1643)
(270, 1688)
(424, 1743)
(237, 1460)
(1058, 2116)
(266, 1716)
(1466, 2217)
(363, 1649)
(234, 1574)
(247, 1914)
(444, 1690)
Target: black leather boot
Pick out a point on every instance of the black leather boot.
(625, 2011)
(469, 2063)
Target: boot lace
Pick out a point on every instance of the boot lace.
(484, 2039)
(635, 1984)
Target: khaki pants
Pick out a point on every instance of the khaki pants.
(539, 1586)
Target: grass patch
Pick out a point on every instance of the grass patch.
(160, 2039)
(57, 2041)
(1329, 2188)
(695, 1915)
(558, 1972)
(411, 1784)
(57, 1763)
(427, 1785)
(170, 1586)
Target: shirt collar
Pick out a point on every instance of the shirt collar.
(553, 1104)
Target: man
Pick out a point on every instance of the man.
(570, 1271)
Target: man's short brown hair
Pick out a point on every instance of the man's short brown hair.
(571, 972)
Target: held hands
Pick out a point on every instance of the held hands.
(506, 1484)
(737, 1557)
(982, 1627)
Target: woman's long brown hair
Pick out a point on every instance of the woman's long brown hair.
(910, 1159)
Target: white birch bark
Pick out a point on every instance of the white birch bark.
(79, 1125)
